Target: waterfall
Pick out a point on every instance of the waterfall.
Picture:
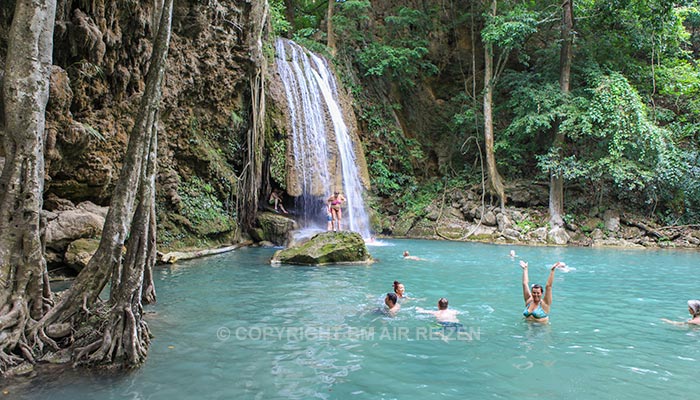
(312, 98)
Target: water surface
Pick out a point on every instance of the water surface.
(232, 326)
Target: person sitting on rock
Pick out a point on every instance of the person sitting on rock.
(276, 199)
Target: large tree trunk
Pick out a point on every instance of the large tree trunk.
(248, 195)
(125, 337)
(22, 263)
(290, 12)
(118, 223)
(330, 34)
(556, 187)
(495, 179)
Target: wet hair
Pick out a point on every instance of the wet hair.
(442, 303)
(537, 286)
(392, 297)
(396, 285)
(695, 306)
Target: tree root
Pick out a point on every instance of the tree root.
(124, 343)
(149, 295)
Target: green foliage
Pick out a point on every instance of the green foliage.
(278, 167)
(415, 200)
(525, 226)
(351, 20)
(396, 49)
(510, 30)
(399, 62)
(279, 23)
(202, 208)
(385, 181)
(306, 37)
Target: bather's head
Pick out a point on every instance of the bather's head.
(399, 289)
(536, 293)
(390, 300)
(442, 304)
(694, 307)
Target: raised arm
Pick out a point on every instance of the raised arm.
(677, 323)
(547, 300)
(526, 283)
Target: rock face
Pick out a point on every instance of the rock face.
(68, 225)
(275, 228)
(326, 248)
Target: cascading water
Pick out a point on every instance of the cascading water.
(312, 97)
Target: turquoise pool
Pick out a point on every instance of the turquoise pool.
(233, 327)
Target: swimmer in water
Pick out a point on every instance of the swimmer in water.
(400, 291)
(442, 314)
(537, 307)
(512, 254)
(407, 256)
(392, 303)
(694, 310)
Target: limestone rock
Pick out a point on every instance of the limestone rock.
(503, 222)
(512, 235)
(276, 228)
(79, 253)
(540, 234)
(612, 220)
(490, 219)
(55, 203)
(558, 236)
(84, 221)
(326, 248)
(403, 225)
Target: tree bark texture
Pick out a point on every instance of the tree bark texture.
(249, 189)
(556, 187)
(495, 179)
(25, 93)
(330, 34)
(126, 337)
(108, 258)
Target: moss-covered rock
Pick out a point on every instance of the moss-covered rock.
(326, 248)
(276, 228)
(80, 252)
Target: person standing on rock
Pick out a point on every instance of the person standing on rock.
(334, 204)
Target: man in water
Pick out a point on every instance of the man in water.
(392, 303)
(407, 256)
(442, 314)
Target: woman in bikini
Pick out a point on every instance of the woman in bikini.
(334, 203)
(537, 307)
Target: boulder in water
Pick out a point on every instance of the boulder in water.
(326, 248)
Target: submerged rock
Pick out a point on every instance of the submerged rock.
(326, 248)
